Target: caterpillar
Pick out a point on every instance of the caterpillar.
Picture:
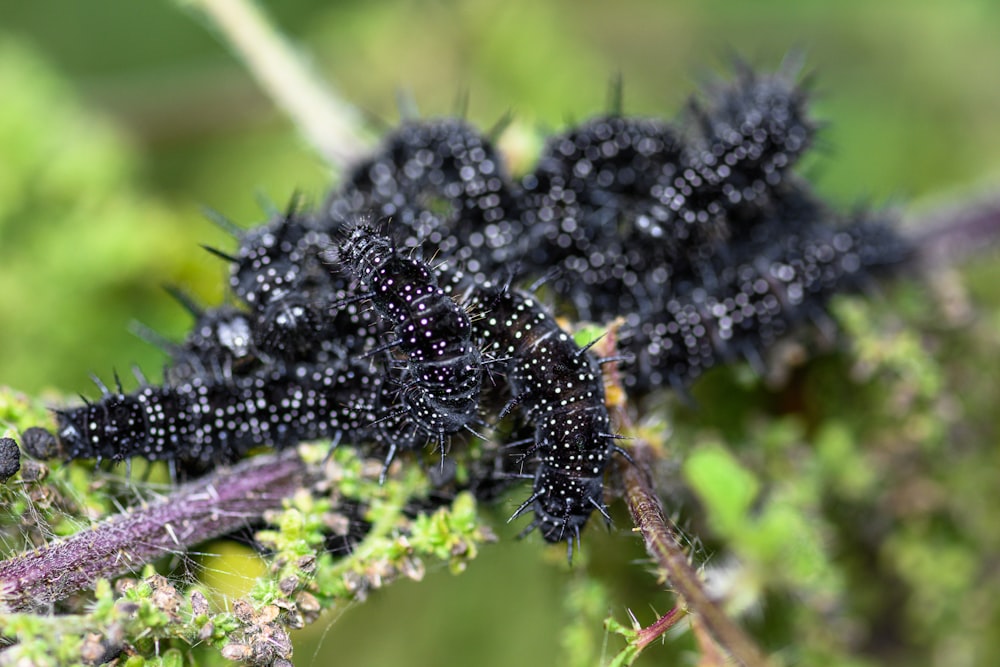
(749, 133)
(695, 231)
(228, 340)
(293, 300)
(628, 206)
(207, 420)
(440, 371)
(674, 225)
(443, 182)
(276, 258)
(221, 341)
(586, 205)
(559, 390)
(773, 286)
(278, 273)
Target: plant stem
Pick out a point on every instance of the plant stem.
(329, 124)
(214, 505)
(949, 234)
(663, 545)
(661, 541)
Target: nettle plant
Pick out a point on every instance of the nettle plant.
(439, 333)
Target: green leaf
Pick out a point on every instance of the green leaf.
(726, 489)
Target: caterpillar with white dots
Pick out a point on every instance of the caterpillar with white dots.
(439, 369)
(205, 421)
(697, 233)
(443, 183)
(559, 389)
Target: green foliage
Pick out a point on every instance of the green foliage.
(66, 172)
(149, 614)
(844, 514)
(851, 518)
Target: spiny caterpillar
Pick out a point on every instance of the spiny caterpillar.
(445, 183)
(206, 421)
(696, 233)
(759, 294)
(559, 390)
(439, 368)
(221, 341)
(279, 273)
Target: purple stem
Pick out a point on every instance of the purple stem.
(215, 505)
(950, 234)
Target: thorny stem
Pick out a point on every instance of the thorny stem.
(329, 124)
(668, 552)
(661, 541)
(653, 631)
(215, 505)
(666, 549)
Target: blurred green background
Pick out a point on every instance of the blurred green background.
(120, 119)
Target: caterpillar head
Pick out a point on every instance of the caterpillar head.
(564, 504)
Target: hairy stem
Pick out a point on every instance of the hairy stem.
(668, 553)
(661, 541)
(329, 124)
(215, 505)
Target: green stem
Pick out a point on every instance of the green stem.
(329, 124)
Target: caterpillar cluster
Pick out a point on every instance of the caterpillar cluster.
(696, 232)
(666, 224)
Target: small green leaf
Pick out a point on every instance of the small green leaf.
(725, 488)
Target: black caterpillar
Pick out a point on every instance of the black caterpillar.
(755, 298)
(696, 232)
(616, 199)
(221, 341)
(440, 373)
(280, 274)
(444, 183)
(559, 389)
(208, 420)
